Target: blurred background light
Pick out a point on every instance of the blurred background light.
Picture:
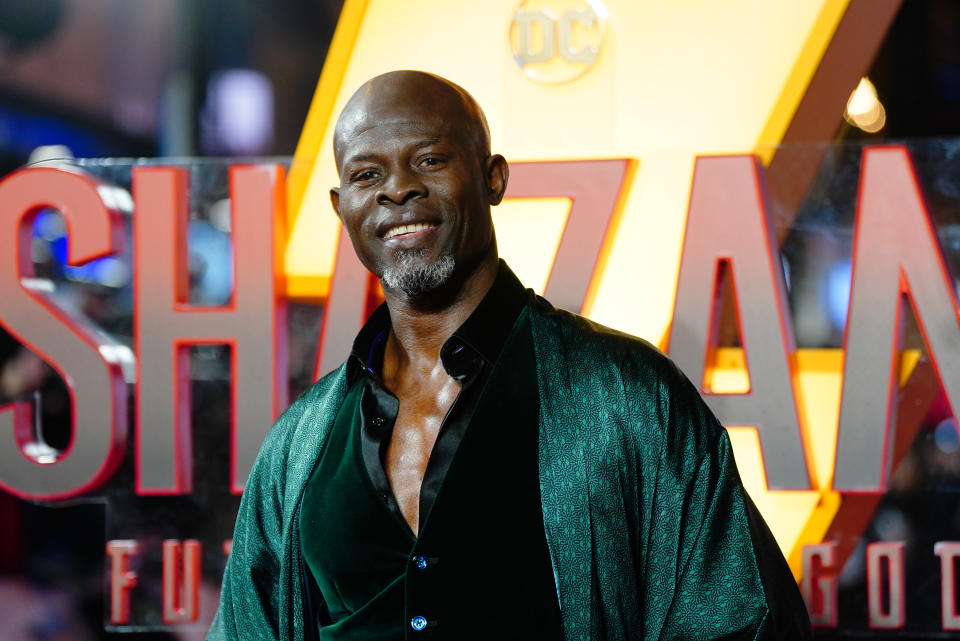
(50, 155)
(219, 215)
(864, 109)
(26, 23)
(210, 264)
(945, 435)
(238, 115)
(837, 292)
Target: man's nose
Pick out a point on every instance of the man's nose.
(400, 187)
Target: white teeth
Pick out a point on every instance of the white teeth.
(406, 229)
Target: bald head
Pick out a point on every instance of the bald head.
(405, 96)
(417, 181)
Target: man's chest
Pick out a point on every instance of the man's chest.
(481, 533)
(423, 408)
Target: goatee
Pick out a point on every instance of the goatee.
(413, 275)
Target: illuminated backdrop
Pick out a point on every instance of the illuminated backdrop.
(663, 182)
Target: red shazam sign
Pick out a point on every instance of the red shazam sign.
(896, 254)
(164, 327)
(896, 258)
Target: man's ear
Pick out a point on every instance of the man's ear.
(498, 173)
(335, 200)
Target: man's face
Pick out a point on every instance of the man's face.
(414, 194)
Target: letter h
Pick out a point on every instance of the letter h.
(166, 325)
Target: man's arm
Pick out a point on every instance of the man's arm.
(731, 580)
(261, 596)
(250, 593)
(651, 531)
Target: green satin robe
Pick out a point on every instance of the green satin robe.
(650, 531)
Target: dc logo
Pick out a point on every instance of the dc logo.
(556, 41)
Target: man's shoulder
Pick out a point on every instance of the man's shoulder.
(603, 372)
(290, 446)
(588, 341)
(317, 398)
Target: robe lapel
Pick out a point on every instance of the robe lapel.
(563, 481)
(310, 436)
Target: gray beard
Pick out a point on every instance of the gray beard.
(413, 275)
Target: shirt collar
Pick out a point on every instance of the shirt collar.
(477, 341)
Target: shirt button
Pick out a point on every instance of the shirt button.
(418, 623)
(377, 421)
(420, 562)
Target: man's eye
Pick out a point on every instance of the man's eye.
(430, 161)
(365, 176)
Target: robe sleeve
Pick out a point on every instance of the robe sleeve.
(250, 596)
(261, 596)
(729, 578)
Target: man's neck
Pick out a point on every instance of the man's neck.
(418, 331)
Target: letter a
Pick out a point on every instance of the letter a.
(895, 256)
(728, 223)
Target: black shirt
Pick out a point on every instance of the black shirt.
(480, 567)
(468, 356)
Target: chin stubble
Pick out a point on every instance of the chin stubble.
(413, 275)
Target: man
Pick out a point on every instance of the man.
(485, 466)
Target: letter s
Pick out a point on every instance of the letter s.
(69, 344)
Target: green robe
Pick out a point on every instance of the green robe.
(650, 531)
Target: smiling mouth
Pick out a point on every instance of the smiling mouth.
(404, 230)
